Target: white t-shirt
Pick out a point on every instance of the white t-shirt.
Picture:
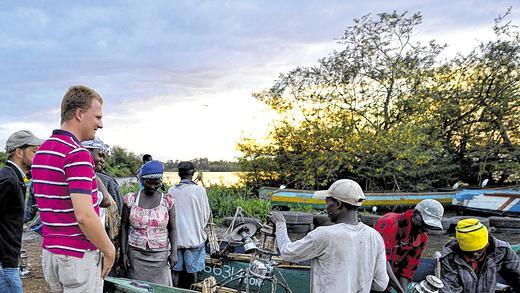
(344, 258)
(191, 214)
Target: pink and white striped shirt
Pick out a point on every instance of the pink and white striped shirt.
(61, 167)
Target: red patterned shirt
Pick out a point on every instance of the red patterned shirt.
(403, 250)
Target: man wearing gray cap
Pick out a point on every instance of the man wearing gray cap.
(20, 147)
(346, 257)
(406, 237)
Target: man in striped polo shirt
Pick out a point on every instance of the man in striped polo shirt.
(65, 189)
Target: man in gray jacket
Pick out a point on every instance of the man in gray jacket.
(471, 262)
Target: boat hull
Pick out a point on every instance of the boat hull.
(123, 285)
(297, 276)
(287, 197)
(491, 202)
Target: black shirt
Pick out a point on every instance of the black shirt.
(12, 194)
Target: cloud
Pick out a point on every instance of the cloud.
(157, 63)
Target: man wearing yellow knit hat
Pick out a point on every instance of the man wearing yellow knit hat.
(470, 263)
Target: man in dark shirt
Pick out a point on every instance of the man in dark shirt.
(99, 151)
(20, 147)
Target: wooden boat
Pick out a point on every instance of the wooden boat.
(490, 201)
(500, 201)
(122, 285)
(286, 197)
(297, 276)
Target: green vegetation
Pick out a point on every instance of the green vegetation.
(129, 187)
(302, 208)
(386, 111)
(203, 164)
(3, 157)
(225, 200)
(122, 163)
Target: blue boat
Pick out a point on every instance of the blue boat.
(490, 201)
(497, 201)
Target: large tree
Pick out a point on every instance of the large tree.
(382, 110)
(477, 107)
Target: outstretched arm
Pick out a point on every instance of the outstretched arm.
(297, 251)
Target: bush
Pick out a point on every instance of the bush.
(129, 187)
(225, 200)
(302, 208)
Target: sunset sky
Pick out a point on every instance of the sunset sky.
(177, 76)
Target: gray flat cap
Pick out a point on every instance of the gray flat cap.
(21, 138)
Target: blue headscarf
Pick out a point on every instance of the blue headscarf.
(152, 170)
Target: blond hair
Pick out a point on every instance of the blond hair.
(77, 97)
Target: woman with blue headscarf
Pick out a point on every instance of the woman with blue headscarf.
(148, 234)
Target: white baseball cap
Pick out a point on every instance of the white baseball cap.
(344, 190)
(431, 212)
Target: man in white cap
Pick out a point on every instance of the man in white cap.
(346, 257)
(20, 147)
(405, 236)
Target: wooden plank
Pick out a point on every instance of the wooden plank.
(510, 195)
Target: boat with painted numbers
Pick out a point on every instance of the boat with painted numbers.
(296, 275)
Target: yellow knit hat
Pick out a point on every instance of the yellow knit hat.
(471, 235)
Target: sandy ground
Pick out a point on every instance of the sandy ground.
(36, 283)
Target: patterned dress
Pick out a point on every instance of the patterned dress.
(149, 245)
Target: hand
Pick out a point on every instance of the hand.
(173, 259)
(276, 217)
(108, 262)
(125, 262)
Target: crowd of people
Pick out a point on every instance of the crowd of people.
(349, 256)
(90, 230)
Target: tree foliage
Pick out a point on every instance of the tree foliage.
(477, 105)
(386, 112)
(122, 163)
(204, 164)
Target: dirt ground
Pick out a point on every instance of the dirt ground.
(36, 283)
